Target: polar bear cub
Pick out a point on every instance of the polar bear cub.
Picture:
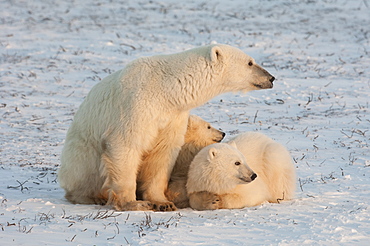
(199, 134)
(214, 183)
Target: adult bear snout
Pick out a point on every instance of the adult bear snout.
(272, 79)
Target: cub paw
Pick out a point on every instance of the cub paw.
(211, 201)
(205, 200)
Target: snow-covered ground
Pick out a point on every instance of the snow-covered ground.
(53, 52)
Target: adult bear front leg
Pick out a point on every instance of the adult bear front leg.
(154, 175)
(158, 163)
(119, 167)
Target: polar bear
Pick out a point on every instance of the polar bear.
(141, 112)
(270, 160)
(199, 134)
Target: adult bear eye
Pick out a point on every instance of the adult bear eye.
(209, 127)
(237, 163)
(250, 63)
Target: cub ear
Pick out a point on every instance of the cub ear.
(212, 152)
(233, 144)
(216, 54)
(190, 121)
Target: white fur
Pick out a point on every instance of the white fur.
(141, 112)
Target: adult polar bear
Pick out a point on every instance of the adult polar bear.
(141, 112)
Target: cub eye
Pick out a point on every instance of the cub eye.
(237, 163)
(250, 63)
(208, 127)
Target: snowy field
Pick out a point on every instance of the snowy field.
(53, 52)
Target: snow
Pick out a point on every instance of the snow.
(53, 52)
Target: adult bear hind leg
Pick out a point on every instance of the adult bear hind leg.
(79, 173)
(80, 199)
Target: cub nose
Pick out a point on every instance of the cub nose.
(254, 176)
(272, 79)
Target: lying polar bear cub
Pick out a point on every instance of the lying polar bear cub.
(220, 176)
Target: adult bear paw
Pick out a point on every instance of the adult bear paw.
(163, 206)
(134, 206)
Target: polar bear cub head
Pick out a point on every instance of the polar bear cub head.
(201, 133)
(218, 168)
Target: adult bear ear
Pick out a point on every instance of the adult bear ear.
(233, 144)
(212, 152)
(216, 54)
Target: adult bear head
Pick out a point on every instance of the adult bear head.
(240, 71)
(190, 78)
